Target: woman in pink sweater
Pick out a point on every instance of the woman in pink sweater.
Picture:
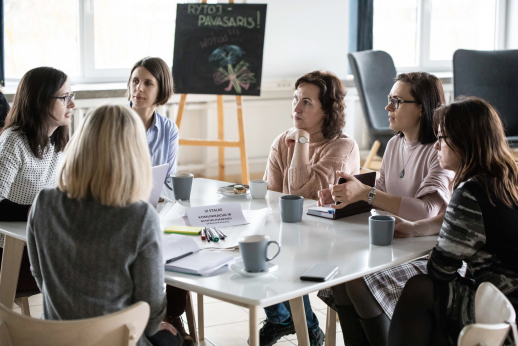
(304, 160)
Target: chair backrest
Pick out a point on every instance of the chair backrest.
(492, 306)
(493, 76)
(483, 334)
(494, 315)
(120, 328)
(374, 72)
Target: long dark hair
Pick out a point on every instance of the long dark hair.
(33, 106)
(159, 69)
(332, 93)
(427, 90)
(475, 133)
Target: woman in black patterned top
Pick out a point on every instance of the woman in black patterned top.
(31, 147)
(479, 228)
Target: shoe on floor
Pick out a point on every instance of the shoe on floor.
(316, 337)
(270, 333)
(177, 322)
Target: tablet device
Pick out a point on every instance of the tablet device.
(359, 207)
(159, 173)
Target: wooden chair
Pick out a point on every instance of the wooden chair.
(494, 316)
(120, 328)
(372, 161)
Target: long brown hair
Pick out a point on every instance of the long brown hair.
(427, 91)
(159, 69)
(332, 93)
(475, 133)
(32, 109)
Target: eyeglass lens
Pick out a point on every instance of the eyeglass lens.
(393, 102)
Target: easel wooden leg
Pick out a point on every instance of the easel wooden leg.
(245, 175)
(299, 319)
(181, 108)
(191, 320)
(221, 136)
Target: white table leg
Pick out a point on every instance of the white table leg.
(191, 320)
(11, 262)
(331, 327)
(254, 331)
(299, 319)
(201, 321)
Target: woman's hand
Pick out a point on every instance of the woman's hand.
(404, 228)
(168, 327)
(351, 191)
(293, 136)
(324, 197)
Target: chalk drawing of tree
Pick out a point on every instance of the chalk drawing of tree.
(239, 76)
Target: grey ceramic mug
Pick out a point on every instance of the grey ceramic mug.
(291, 208)
(381, 229)
(254, 251)
(182, 184)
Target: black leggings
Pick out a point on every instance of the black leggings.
(165, 338)
(412, 323)
(357, 293)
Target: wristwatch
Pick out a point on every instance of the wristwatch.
(303, 140)
(372, 193)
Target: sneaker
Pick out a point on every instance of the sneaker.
(177, 322)
(270, 333)
(316, 337)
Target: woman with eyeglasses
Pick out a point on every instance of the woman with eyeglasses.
(479, 228)
(411, 185)
(31, 147)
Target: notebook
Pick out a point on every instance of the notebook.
(182, 254)
(351, 209)
(159, 173)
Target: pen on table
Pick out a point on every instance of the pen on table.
(177, 258)
(202, 233)
(220, 231)
(215, 236)
(221, 235)
(207, 235)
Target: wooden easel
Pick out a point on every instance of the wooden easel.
(220, 143)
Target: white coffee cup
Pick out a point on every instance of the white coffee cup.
(258, 188)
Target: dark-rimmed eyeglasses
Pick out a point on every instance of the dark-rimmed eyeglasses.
(441, 141)
(396, 102)
(66, 99)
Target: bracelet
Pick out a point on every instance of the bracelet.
(372, 193)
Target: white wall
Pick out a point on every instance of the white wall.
(305, 35)
(512, 25)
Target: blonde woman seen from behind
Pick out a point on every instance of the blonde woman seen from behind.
(94, 242)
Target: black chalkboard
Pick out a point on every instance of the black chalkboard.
(218, 49)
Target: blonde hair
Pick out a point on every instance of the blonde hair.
(108, 158)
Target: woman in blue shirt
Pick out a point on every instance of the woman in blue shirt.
(151, 85)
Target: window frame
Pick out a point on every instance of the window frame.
(423, 26)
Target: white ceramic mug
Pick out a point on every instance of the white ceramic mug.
(258, 188)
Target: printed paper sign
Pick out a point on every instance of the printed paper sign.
(219, 215)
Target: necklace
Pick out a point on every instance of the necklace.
(402, 174)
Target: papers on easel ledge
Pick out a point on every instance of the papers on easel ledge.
(182, 254)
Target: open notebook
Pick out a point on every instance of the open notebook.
(182, 254)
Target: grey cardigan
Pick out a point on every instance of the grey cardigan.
(91, 260)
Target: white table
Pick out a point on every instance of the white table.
(343, 242)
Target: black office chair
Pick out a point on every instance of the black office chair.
(374, 73)
(493, 76)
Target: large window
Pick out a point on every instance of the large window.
(424, 34)
(90, 40)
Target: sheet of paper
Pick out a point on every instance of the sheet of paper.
(174, 245)
(218, 215)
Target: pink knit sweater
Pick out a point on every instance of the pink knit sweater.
(326, 156)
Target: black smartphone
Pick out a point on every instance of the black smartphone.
(320, 272)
